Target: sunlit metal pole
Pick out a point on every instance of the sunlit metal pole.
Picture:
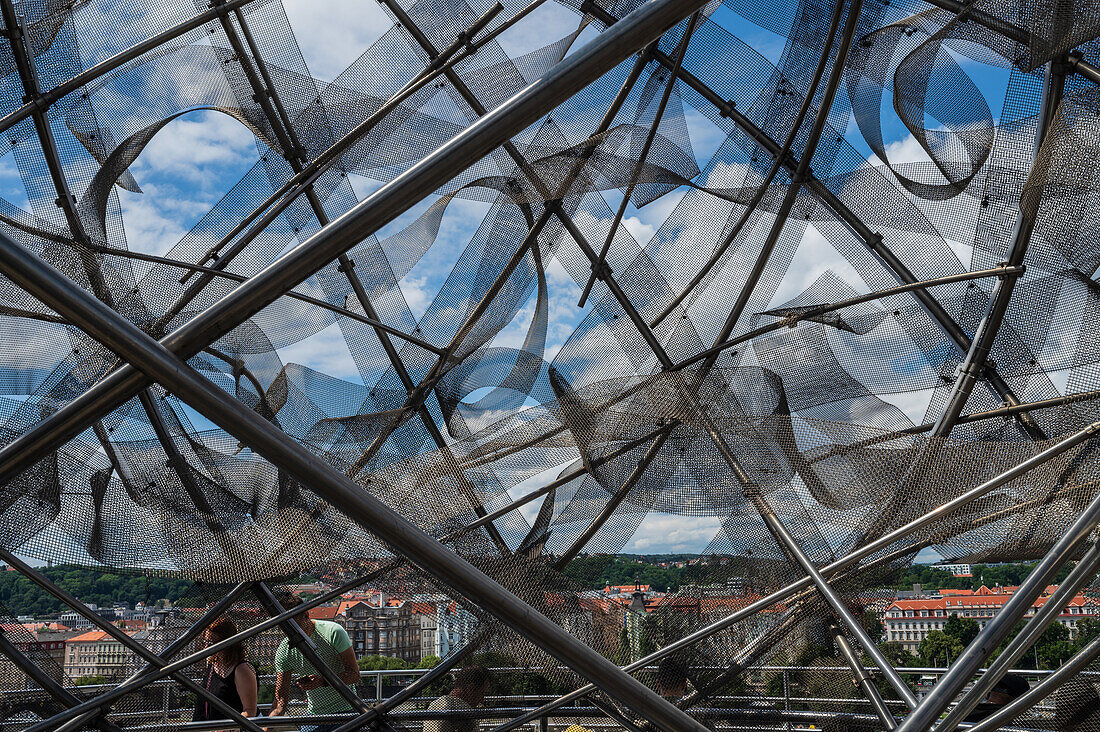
(997, 629)
(154, 359)
(559, 83)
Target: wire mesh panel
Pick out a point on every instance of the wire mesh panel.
(808, 213)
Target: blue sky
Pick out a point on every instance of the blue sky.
(184, 171)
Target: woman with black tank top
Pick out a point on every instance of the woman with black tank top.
(228, 677)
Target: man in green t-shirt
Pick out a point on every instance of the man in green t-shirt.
(334, 648)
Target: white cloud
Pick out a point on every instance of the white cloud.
(662, 533)
(642, 232)
(187, 145)
(334, 34)
(326, 351)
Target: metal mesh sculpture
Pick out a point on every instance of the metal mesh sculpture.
(690, 387)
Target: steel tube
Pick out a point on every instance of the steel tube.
(862, 678)
(43, 101)
(786, 541)
(762, 189)
(599, 264)
(974, 364)
(1048, 613)
(132, 344)
(28, 77)
(613, 503)
(564, 79)
(44, 680)
(298, 640)
(1009, 30)
(436, 672)
(871, 239)
(152, 673)
(869, 549)
(177, 645)
(556, 483)
(998, 628)
(813, 312)
(1067, 671)
(124, 640)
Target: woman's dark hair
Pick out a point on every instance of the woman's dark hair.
(221, 629)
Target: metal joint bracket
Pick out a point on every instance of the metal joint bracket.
(602, 270)
(727, 109)
(13, 34)
(63, 201)
(350, 266)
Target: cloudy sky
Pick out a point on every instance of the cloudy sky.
(183, 173)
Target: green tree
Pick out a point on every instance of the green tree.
(897, 654)
(873, 625)
(962, 629)
(381, 663)
(1054, 646)
(429, 662)
(939, 647)
(90, 680)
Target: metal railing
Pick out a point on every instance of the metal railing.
(795, 707)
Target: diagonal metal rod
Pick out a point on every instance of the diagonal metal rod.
(153, 673)
(996, 630)
(613, 503)
(639, 166)
(280, 121)
(644, 24)
(438, 370)
(861, 677)
(1069, 670)
(45, 681)
(114, 251)
(977, 356)
(126, 641)
(422, 682)
(1006, 411)
(775, 526)
(781, 156)
(191, 633)
(297, 639)
(182, 469)
(849, 218)
(564, 79)
(28, 76)
(1081, 575)
(790, 321)
(560, 481)
(1014, 32)
(818, 310)
(42, 102)
(854, 557)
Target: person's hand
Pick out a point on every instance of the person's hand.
(275, 711)
(311, 682)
